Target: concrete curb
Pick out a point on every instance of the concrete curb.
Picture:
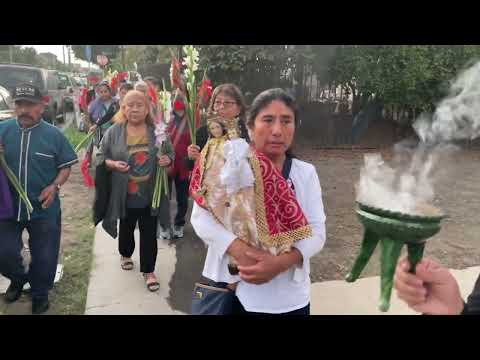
(361, 297)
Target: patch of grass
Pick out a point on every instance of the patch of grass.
(69, 295)
(74, 136)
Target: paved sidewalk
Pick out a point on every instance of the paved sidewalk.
(362, 296)
(114, 291)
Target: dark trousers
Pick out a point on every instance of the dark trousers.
(164, 212)
(181, 190)
(44, 243)
(238, 309)
(148, 237)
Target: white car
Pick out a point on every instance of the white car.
(6, 105)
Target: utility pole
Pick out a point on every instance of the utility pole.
(63, 49)
(10, 50)
(123, 57)
(69, 56)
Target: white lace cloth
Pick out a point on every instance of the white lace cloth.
(236, 173)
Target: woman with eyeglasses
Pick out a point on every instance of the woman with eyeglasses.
(228, 101)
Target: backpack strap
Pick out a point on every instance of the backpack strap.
(287, 166)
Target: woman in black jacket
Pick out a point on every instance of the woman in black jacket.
(228, 101)
(433, 290)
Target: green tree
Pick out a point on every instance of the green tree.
(252, 67)
(407, 79)
(111, 51)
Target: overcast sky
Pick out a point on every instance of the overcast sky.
(57, 50)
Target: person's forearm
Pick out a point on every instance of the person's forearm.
(62, 176)
(110, 163)
(237, 248)
(212, 233)
(290, 259)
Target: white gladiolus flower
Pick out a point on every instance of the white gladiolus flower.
(191, 57)
(160, 133)
(165, 100)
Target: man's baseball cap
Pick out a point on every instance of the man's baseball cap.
(27, 92)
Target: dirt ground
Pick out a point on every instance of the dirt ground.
(75, 198)
(457, 245)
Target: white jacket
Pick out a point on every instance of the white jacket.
(289, 290)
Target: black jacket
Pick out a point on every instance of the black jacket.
(112, 110)
(103, 184)
(472, 307)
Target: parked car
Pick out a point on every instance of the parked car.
(46, 80)
(81, 81)
(70, 97)
(6, 105)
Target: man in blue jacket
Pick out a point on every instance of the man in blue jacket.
(41, 157)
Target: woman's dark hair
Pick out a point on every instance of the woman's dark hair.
(153, 80)
(264, 99)
(126, 86)
(106, 84)
(235, 93)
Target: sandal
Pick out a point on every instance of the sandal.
(152, 286)
(126, 264)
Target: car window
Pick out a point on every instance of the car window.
(63, 80)
(52, 81)
(76, 82)
(10, 77)
(3, 104)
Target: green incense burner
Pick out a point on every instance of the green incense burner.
(393, 230)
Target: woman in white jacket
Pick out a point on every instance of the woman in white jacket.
(269, 284)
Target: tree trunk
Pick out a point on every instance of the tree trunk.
(299, 79)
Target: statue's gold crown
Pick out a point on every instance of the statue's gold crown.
(230, 125)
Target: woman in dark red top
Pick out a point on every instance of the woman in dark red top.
(179, 172)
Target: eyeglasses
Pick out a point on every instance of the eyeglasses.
(226, 104)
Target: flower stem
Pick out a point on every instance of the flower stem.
(83, 141)
(165, 182)
(155, 192)
(16, 184)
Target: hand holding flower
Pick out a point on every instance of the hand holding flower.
(164, 161)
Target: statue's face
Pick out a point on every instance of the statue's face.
(216, 129)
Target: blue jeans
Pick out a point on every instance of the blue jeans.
(44, 243)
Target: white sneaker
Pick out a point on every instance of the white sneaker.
(164, 233)
(177, 232)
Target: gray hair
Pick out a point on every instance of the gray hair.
(141, 86)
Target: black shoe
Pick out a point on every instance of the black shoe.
(40, 305)
(13, 293)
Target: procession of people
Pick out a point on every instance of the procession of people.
(256, 206)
